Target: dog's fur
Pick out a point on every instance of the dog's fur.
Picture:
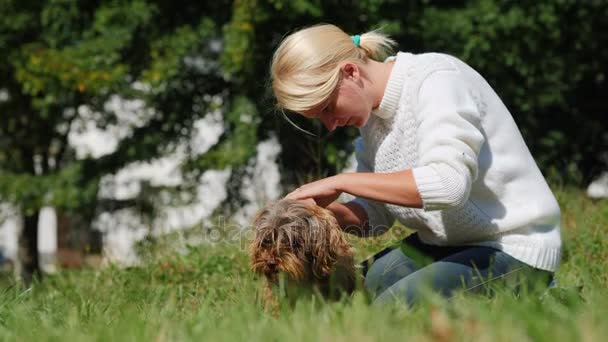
(305, 243)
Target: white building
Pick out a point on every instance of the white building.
(123, 228)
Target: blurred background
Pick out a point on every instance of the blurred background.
(122, 121)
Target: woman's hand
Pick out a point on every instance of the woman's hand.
(323, 192)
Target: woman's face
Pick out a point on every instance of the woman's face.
(349, 105)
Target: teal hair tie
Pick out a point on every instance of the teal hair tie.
(356, 39)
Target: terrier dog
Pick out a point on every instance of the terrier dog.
(305, 243)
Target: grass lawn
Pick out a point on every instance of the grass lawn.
(209, 294)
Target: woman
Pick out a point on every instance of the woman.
(438, 151)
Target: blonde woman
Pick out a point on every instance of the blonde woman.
(438, 151)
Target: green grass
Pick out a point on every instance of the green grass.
(209, 294)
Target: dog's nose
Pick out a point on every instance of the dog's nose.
(272, 264)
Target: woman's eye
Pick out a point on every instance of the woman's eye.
(328, 108)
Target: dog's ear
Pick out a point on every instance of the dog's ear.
(330, 244)
(258, 226)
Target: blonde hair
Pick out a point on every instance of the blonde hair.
(305, 67)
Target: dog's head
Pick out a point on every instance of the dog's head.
(301, 240)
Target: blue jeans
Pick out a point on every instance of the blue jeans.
(404, 272)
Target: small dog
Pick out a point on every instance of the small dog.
(305, 243)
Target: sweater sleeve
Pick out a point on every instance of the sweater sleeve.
(380, 219)
(449, 141)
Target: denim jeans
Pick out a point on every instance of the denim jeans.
(404, 272)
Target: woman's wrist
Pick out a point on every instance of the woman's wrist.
(343, 182)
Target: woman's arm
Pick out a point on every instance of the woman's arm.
(397, 188)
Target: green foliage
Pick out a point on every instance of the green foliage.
(241, 125)
(546, 59)
(63, 190)
(61, 55)
(238, 37)
(167, 53)
(67, 55)
(71, 57)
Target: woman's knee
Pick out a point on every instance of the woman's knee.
(387, 270)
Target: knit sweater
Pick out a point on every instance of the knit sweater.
(478, 182)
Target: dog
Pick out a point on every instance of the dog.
(305, 243)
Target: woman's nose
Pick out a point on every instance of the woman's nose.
(329, 123)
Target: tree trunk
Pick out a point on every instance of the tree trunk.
(28, 242)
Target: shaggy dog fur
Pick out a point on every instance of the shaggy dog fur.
(305, 243)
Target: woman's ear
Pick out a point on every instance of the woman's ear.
(350, 71)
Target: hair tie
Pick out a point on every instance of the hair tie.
(356, 39)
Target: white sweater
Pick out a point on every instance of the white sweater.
(477, 179)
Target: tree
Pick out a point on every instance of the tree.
(548, 61)
(184, 59)
(65, 54)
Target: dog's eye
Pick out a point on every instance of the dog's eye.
(267, 242)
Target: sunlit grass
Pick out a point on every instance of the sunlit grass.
(209, 294)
